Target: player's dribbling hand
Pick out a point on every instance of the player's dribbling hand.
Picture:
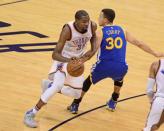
(77, 63)
(74, 58)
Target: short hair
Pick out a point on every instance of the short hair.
(109, 14)
(80, 13)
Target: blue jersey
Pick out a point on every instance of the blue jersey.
(113, 45)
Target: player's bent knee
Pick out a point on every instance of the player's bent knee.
(118, 83)
(51, 76)
(55, 88)
(68, 91)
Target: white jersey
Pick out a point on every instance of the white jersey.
(157, 106)
(76, 46)
(160, 80)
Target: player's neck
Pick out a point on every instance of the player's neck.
(78, 29)
(108, 24)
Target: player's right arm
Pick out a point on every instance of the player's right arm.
(131, 39)
(64, 36)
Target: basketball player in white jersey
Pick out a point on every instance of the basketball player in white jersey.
(156, 114)
(70, 47)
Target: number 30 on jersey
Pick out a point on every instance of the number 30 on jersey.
(117, 43)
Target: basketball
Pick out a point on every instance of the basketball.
(75, 72)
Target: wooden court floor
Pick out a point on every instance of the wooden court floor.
(23, 64)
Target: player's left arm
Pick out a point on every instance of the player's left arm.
(93, 49)
(142, 45)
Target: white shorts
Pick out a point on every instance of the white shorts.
(155, 113)
(69, 91)
(75, 83)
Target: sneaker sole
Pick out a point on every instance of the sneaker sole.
(29, 125)
(110, 109)
(73, 112)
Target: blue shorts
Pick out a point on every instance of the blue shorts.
(108, 69)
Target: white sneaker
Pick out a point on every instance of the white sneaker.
(29, 119)
(45, 85)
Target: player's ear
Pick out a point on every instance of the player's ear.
(105, 20)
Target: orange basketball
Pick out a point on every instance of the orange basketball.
(75, 72)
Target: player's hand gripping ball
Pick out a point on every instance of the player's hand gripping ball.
(75, 67)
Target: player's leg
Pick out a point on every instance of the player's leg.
(71, 92)
(95, 76)
(74, 89)
(46, 83)
(111, 104)
(58, 83)
(155, 117)
(76, 102)
(117, 72)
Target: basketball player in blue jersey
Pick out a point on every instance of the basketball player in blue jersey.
(111, 41)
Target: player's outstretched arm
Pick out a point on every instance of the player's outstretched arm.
(131, 39)
(93, 50)
(64, 36)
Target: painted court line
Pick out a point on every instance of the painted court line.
(18, 1)
(88, 111)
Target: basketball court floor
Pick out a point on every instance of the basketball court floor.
(29, 30)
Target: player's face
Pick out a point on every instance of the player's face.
(83, 23)
(101, 19)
